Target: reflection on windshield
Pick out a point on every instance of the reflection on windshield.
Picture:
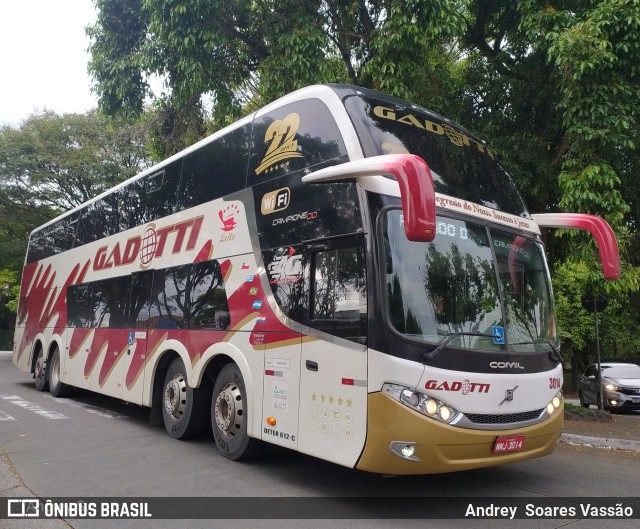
(451, 286)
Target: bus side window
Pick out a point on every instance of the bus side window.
(139, 299)
(209, 308)
(111, 303)
(215, 170)
(157, 194)
(169, 301)
(79, 312)
(338, 303)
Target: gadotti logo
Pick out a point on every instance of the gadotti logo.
(456, 137)
(465, 387)
(151, 244)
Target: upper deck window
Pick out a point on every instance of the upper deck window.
(461, 165)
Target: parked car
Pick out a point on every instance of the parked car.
(620, 386)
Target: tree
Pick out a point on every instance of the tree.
(244, 54)
(52, 163)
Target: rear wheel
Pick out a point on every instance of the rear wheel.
(40, 372)
(229, 415)
(56, 387)
(184, 409)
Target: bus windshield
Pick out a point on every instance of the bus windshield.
(490, 288)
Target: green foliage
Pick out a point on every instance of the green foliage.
(52, 163)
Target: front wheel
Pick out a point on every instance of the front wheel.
(229, 415)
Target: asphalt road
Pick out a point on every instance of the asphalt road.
(93, 446)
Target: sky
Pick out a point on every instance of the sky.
(43, 58)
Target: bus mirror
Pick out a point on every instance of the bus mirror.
(598, 227)
(414, 180)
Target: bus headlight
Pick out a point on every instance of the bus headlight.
(555, 403)
(422, 403)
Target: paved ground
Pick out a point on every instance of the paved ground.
(620, 430)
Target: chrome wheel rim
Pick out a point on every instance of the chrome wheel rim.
(175, 396)
(39, 370)
(229, 411)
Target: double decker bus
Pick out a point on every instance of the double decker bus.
(341, 273)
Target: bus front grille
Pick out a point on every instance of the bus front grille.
(509, 418)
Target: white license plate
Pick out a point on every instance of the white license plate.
(508, 443)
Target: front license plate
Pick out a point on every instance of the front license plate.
(635, 399)
(509, 443)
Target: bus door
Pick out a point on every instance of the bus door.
(333, 367)
(280, 345)
(134, 360)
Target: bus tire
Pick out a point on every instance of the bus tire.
(184, 410)
(40, 371)
(56, 387)
(229, 415)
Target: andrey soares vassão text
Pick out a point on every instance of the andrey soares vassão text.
(530, 510)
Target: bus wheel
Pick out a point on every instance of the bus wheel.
(229, 414)
(40, 372)
(183, 409)
(56, 388)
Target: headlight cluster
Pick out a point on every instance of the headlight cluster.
(555, 403)
(429, 406)
(610, 386)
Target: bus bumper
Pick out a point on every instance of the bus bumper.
(440, 447)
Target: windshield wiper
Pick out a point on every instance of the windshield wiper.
(554, 354)
(428, 357)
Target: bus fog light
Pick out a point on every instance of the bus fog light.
(404, 449)
(408, 450)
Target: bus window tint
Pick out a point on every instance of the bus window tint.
(217, 169)
(158, 194)
(189, 297)
(168, 308)
(209, 307)
(139, 299)
(285, 270)
(461, 165)
(53, 239)
(443, 287)
(110, 303)
(99, 220)
(525, 284)
(79, 309)
(338, 293)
